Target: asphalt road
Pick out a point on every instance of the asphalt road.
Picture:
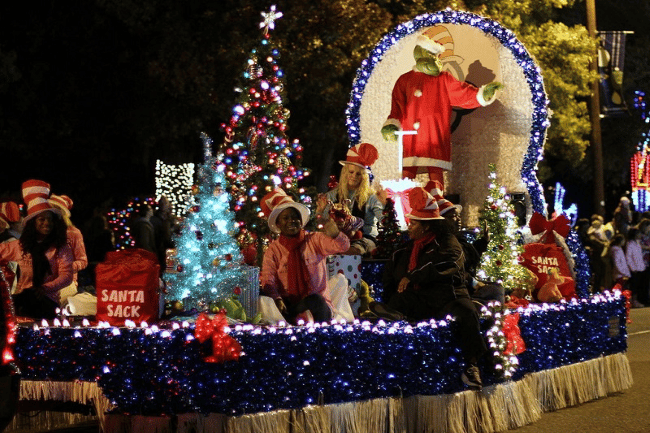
(625, 412)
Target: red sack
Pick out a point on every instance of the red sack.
(540, 257)
(127, 287)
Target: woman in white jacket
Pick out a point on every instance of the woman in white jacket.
(639, 275)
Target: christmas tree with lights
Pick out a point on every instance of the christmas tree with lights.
(256, 152)
(208, 263)
(390, 235)
(501, 262)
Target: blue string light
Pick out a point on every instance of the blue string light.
(160, 369)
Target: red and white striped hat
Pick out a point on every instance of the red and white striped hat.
(9, 213)
(275, 202)
(35, 195)
(362, 155)
(435, 189)
(423, 205)
(62, 202)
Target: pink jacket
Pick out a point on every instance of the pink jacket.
(314, 251)
(60, 265)
(76, 243)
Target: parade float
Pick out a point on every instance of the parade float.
(205, 374)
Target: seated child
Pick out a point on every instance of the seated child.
(294, 271)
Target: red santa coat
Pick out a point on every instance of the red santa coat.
(424, 103)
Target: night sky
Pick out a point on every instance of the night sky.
(89, 101)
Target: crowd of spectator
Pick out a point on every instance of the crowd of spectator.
(619, 251)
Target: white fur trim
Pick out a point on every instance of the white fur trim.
(481, 100)
(429, 45)
(416, 161)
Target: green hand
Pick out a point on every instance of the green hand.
(389, 131)
(491, 89)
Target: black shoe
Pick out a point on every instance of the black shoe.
(472, 378)
(385, 312)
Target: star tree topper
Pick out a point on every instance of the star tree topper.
(269, 20)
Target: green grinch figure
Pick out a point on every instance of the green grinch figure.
(421, 107)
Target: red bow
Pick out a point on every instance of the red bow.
(404, 196)
(224, 347)
(538, 224)
(514, 343)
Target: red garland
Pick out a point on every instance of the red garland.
(224, 347)
(9, 319)
(628, 298)
(538, 224)
(515, 344)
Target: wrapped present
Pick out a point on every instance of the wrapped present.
(249, 289)
(350, 266)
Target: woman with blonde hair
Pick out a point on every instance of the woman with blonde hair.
(354, 190)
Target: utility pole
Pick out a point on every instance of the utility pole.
(594, 112)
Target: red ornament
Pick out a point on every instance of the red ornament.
(501, 247)
(237, 290)
(179, 268)
(228, 257)
(498, 262)
(493, 206)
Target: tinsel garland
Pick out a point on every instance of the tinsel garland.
(581, 260)
(571, 332)
(501, 407)
(154, 371)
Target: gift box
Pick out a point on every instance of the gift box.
(350, 266)
(248, 281)
(128, 287)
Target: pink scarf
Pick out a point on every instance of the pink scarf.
(417, 247)
(297, 273)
